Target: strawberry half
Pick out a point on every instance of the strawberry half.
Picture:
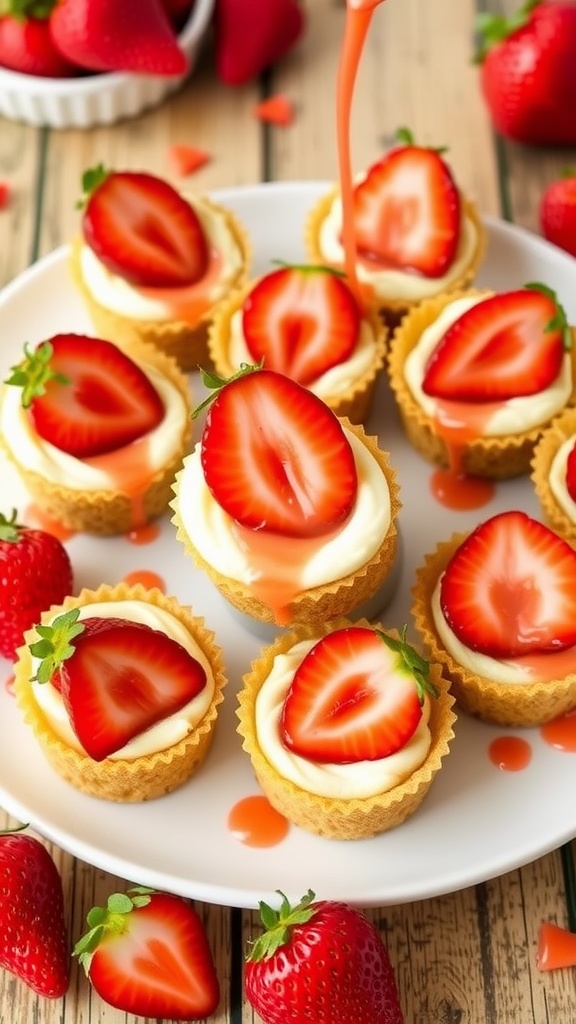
(117, 678)
(147, 953)
(142, 229)
(301, 321)
(510, 589)
(407, 212)
(105, 35)
(275, 457)
(505, 346)
(356, 696)
(86, 396)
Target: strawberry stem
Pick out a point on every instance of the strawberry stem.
(215, 383)
(20, 10)
(559, 322)
(34, 372)
(91, 180)
(406, 136)
(12, 831)
(412, 662)
(111, 919)
(55, 644)
(278, 924)
(310, 268)
(495, 28)
(10, 529)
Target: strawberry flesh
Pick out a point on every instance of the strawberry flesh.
(107, 403)
(105, 35)
(503, 347)
(301, 321)
(153, 959)
(251, 36)
(510, 589)
(142, 229)
(407, 212)
(123, 678)
(276, 458)
(350, 700)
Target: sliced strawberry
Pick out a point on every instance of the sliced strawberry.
(121, 678)
(185, 160)
(407, 212)
(147, 953)
(276, 458)
(571, 473)
(86, 396)
(142, 229)
(505, 346)
(510, 589)
(301, 321)
(277, 110)
(356, 696)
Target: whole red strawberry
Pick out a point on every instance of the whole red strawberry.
(320, 963)
(528, 73)
(558, 212)
(33, 936)
(26, 44)
(35, 572)
(250, 36)
(106, 35)
(147, 953)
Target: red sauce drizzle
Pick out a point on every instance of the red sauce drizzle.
(561, 732)
(146, 578)
(254, 822)
(510, 753)
(145, 534)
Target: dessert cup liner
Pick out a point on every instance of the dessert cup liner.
(322, 603)
(185, 342)
(145, 777)
(99, 99)
(355, 403)
(390, 308)
(112, 512)
(561, 428)
(497, 458)
(514, 704)
(336, 818)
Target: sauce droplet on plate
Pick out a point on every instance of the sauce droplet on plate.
(146, 578)
(255, 822)
(510, 753)
(561, 732)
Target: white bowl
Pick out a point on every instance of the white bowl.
(97, 99)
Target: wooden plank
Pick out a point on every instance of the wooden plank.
(204, 114)
(19, 161)
(416, 72)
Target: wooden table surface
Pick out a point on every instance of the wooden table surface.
(465, 957)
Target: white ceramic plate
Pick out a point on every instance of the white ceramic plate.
(476, 822)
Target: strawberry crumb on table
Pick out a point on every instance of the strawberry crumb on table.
(467, 956)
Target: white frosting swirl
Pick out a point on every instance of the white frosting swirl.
(510, 671)
(118, 295)
(39, 456)
(510, 417)
(360, 779)
(335, 381)
(557, 479)
(165, 733)
(211, 531)
(396, 284)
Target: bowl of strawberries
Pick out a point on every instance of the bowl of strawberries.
(83, 63)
